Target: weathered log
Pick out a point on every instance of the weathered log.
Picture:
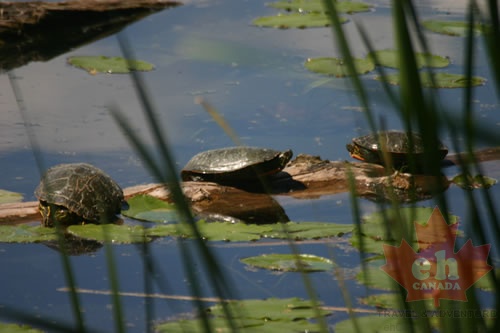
(19, 212)
(306, 177)
(39, 31)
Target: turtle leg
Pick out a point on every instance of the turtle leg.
(44, 209)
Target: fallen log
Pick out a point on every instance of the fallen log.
(306, 177)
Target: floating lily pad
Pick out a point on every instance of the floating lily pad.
(370, 245)
(290, 262)
(9, 197)
(243, 325)
(375, 277)
(267, 316)
(148, 208)
(110, 65)
(388, 301)
(317, 6)
(295, 20)
(375, 224)
(375, 228)
(487, 282)
(271, 309)
(308, 230)
(469, 182)
(337, 67)
(452, 28)
(374, 323)
(382, 301)
(227, 231)
(116, 234)
(441, 80)
(448, 80)
(389, 58)
(26, 234)
(15, 328)
(213, 231)
(196, 325)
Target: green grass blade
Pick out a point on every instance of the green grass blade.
(343, 45)
(66, 264)
(215, 275)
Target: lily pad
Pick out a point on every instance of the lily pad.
(110, 65)
(375, 224)
(468, 182)
(387, 227)
(243, 325)
(348, 7)
(271, 309)
(441, 80)
(375, 277)
(290, 262)
(370, 245)
(9, 197)
(267, 316)
(295, 20)
(196, 325)
(15, 328)
(452, 28)
(308, 230)
(26, 234)
(237, 232)
(382, 301)
(213, 231)
(389, 58)
(151, 209)
(116, 234)
(337, 67)
(374, 323)
(388, 301)
(487, 282)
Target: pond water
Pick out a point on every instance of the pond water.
(255, 78)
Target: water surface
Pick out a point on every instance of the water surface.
(255, 78)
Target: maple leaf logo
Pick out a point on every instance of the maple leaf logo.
(436, 271)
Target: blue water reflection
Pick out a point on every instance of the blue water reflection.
(256, 80)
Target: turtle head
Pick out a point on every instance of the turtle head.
(350, 147)
(285, 157)
(53, 215)
(355, 151)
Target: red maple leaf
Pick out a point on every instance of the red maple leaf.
(436, 271)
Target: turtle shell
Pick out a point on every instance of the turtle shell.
(83, 190)
(235, 164)
(396, 143)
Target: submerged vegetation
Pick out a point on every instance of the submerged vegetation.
(109, 65)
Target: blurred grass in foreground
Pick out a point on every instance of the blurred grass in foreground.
(419, 110)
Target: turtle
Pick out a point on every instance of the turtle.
(78, 193)
(235, 164)
(396, 144)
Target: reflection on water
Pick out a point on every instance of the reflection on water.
(255, 80)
